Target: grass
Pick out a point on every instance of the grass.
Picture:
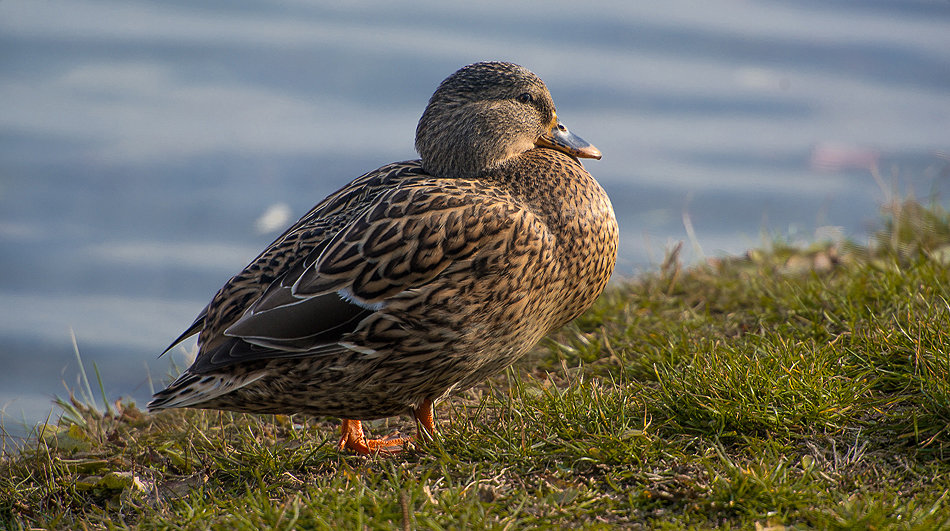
(789, 388)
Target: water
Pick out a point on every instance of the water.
(149, 149)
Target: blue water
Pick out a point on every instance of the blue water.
(149, 149)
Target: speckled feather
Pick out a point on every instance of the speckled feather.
(405, 286)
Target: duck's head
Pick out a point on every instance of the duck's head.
(486, 114)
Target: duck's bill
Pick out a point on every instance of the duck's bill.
(561, 139)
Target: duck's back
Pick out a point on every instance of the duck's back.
(304, 239)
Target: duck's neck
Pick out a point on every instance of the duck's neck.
(549, 182)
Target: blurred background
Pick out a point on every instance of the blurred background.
(150, 149)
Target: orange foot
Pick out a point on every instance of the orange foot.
(353, 438)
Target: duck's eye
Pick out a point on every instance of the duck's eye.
(525, 98)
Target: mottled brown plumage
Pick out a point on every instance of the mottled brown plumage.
(419, 278)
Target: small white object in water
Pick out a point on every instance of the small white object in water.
(276, 217)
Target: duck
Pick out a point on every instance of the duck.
(418, 279)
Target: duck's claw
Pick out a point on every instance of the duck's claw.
(352, 436)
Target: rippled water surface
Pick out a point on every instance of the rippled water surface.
(149, 149)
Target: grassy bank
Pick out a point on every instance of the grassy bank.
(790, 387)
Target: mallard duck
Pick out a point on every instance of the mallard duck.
(417, 279)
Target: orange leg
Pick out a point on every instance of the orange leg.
(352, 437)
(424, 419)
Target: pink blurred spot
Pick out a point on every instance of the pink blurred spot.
(836, 157)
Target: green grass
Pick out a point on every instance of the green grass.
(789, 388)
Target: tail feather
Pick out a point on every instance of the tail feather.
(191, 390)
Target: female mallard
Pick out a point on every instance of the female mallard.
(419, 278)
